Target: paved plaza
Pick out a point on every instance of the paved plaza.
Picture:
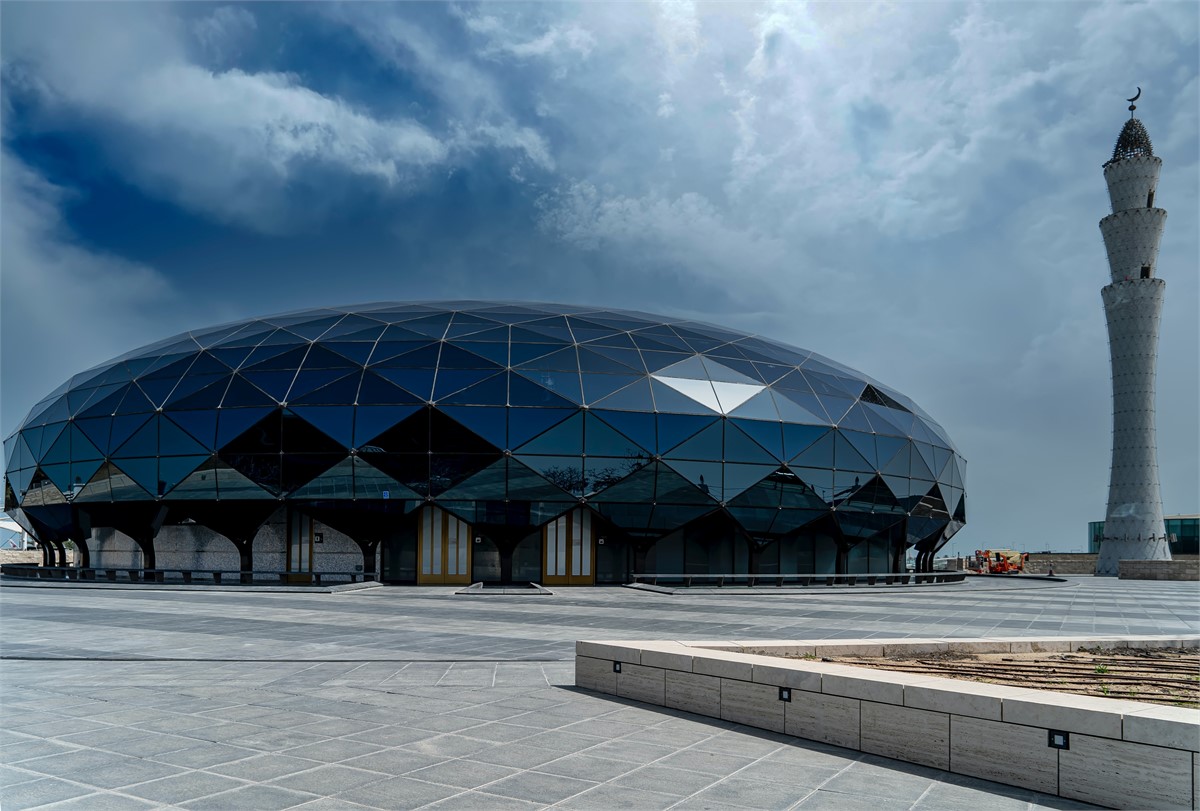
(393, 698)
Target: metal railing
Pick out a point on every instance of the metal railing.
(118, 574)
(804, 580)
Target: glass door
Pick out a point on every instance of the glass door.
(569, 550)
(300, 548)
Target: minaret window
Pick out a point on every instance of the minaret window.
(1150, 199)
(1145, 271)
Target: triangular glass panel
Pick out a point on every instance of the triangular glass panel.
(871, 394)
(374, 390)
(732, 395)
(335, 483)
(855, 420)
(242, 394)
(233, 356)
(634, 397)
(336, 422)
(395, 353)
(454, 358)
(232, 485)
(232, 422)
(528, 484)
(266, 359)
(941, 458)
(417, 381)
(60, 449)
(818, 480)
(372, 483)
(768, 434)
(526, 423)
(561, 360)
(371, 421)
(143, 472)
(924, 465)
(889, 421)
(685, 482)
(887, 447)
(638, 426)
(638, 487)
(522, 392)
(105, 406)
(902, 490)
(759, 407)
(692, 368)
(657, 361)
(921, 432)
(771, 372)
(489, 484)
(274, 383)
(451, 381)
(433, 326)
(521, 352)
(864, 444)
(201, 484)
(900, 464)
(801, 408)
(625, 355)
(495, 351)
(174, 469)
(741, 477)
(341, 391)
(598, 386)
(491, 392)
(309, 380)
(564, 384)
(135, 402)
(565, 473)
(319, 357)
(705, 445)
(353, 328)
(680, 396)
(741, 448)
(357, 353)
(564, 439)
(209, 396)
(600, 439)
(54, 411)
(818, 454)
(79, 399)
(596, 362)
(489, 422)
(174, 441)
(143, 442)
(96, 489)
(58, 475)
(719, 372)
(836, 407)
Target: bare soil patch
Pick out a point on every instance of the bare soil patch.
(1168, 676)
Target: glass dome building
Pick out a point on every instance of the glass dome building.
(457, 442)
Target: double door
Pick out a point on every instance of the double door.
(569, 550)
(443, 549)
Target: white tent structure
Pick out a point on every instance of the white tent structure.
(12, 536)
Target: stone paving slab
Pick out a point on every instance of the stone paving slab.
(409, 698)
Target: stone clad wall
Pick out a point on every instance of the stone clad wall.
(1115, 753)
(1183, 568)
(1062, 563)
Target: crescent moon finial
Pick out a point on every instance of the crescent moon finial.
(1131, 101)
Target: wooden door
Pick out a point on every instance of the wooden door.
(444, 549)
(569, 550)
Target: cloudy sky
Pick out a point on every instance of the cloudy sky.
(910, 189)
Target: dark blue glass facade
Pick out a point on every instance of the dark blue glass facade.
(506, 415)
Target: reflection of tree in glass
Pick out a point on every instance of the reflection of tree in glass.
(573, 480)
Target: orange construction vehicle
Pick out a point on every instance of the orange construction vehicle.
(999, 561)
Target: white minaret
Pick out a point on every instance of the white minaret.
(1133, 524)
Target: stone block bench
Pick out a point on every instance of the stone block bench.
(1111, 752)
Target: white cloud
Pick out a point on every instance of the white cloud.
(225, 33)
(61, 299)
(232, 144)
